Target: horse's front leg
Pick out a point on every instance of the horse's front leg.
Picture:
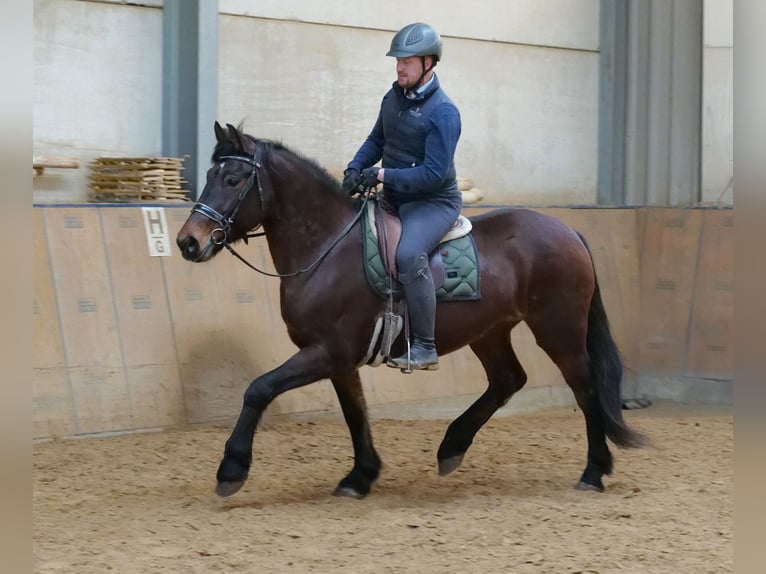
(367, 463)
(306, 366)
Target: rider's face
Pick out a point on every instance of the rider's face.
(408, 71)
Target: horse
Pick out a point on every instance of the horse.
(534, 268)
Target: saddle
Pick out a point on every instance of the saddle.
(387, 228)
(454, 266)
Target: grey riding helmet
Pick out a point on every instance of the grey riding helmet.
(416, 39)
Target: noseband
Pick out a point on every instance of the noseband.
(225, 222)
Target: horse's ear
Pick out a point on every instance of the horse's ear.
(236, 138)
(220, 134)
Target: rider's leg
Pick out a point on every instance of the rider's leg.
(418, 287)
(423, 226)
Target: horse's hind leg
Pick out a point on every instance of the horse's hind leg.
(366, 460)
(576, 374)
(505, 376)
(566, 347)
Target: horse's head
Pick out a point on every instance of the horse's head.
(231, 203)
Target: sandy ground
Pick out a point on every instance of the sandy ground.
(145, 503)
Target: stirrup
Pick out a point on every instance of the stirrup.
(406, 364)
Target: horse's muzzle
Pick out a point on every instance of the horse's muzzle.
(189, 247)
(192, 251)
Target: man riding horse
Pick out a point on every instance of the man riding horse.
(415, 136)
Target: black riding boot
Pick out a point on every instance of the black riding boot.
(420, 294)
(422, 356)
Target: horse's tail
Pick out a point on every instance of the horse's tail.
(606, 370)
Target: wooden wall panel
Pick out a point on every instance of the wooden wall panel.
(391, 385)
(612, 237)
(668, 270)
(463, 374)
(250, 306)
(90, 332)
(47, 345)
(53, 412)
(83, 287)
(213, 364)
(382, 385)
(138, 287)
(101, 399)
(156, 398)
(711, 334)
(618, 272)
(126, 341)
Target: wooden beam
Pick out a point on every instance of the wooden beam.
(40, 162)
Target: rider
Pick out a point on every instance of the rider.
(415, 135)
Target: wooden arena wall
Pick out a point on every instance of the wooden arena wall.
(124, 341)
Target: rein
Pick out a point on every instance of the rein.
(340, 236)
(225, 222)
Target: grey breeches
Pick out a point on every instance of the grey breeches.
(423, 226)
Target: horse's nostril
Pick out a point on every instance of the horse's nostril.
(189, 247)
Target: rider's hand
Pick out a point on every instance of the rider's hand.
(370, 176)
(351, 180)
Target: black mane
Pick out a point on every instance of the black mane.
(277, 158)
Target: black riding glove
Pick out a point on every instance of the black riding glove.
(370, 176)
(351, 180)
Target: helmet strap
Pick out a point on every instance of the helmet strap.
(420, 79)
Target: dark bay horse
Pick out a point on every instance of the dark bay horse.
(533, 269)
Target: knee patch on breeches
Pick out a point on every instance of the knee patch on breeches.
(419, 268)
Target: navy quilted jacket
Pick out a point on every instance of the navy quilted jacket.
(416, 139)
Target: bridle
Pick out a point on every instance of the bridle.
(225, 222)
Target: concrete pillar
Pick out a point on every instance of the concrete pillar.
(637, 107)
(613, 85)
(190, 85)
(650, 118)
(686, 103)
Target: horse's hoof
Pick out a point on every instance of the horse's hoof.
(226, 489)
(592, 487)
(348, 492)
(449, 465)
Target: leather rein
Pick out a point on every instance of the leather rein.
(225, 222)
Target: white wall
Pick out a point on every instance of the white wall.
(524, 74)
(529, 113)
(97, 87)
(312, 74)
(561, 23)
(718, 102)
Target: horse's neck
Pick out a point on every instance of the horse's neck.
(303, 225)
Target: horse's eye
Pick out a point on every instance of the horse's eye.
(232, 181)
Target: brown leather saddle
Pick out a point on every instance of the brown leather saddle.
(388, 228)
(383, 230)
